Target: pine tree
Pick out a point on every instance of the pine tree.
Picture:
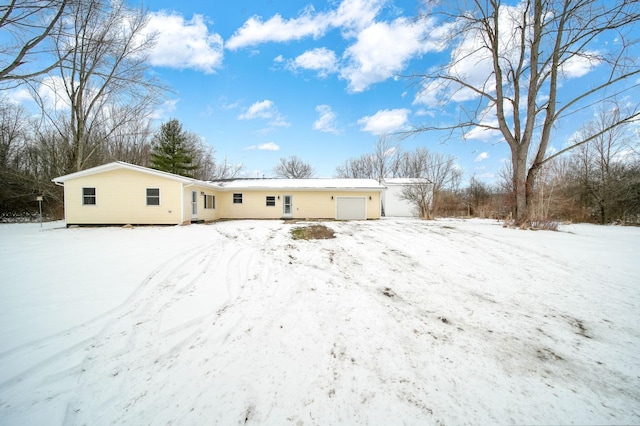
(171, 151)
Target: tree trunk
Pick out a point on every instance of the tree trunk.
(520, 186)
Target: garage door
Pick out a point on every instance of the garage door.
(349, 208)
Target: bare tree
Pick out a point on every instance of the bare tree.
(102, 85)
(384, 162)
(29, 27)
(528, 50)
(130, 142)
(293, 168)
(600, 165)
(13, 129)
(357, 168)
(477, 197)
(226, 169)
(385, 158)
(205, 161)
(433, 174)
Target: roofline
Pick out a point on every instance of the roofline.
(122, 165)
(217, 185)
(377, 187)
(300, 188)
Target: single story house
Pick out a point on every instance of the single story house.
(123, 193)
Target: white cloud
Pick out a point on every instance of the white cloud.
(261, 109)
(184, 43)
(164, 110)
(380, 50)
(18, 96)
(256, 31)
(321, 59)
(327, 120)
(471, 61)
(578, 66)
(51, 93)
(483, 134)
(269, 146)
(384, 121)
(229, 106)
(383, 50)
(265, 110)
(481, 157)
(351, 15)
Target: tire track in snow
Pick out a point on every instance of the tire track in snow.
(137, 347)
(70, 349)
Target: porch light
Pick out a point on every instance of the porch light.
(332, 197)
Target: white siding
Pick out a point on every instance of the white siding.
(394, 205)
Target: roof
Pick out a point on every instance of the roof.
(122, 165)
(405, 181)
(320, 184)
(317, 184)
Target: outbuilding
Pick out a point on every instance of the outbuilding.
(123, 193)
(394, 204)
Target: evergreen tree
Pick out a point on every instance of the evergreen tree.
(171, 151)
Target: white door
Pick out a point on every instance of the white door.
(194, 204)
(351, 208)
(287, 206)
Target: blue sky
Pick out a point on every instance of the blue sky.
(264, 79)
(316, 79)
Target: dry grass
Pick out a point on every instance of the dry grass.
(312, 232)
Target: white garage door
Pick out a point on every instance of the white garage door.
(349, 208)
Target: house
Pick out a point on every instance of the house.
(123, 193)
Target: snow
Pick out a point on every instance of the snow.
(301, 184)
(396, 321)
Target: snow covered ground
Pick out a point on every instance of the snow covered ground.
(392, 322)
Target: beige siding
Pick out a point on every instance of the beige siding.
(202, 213)
(121, 199)
(306, 204)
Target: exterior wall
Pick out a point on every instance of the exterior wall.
(394, 205)
(202, 214)
(121, 199)
(306, 204)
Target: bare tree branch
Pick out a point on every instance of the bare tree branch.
(293, 168)
(30, 23)
(529, 48)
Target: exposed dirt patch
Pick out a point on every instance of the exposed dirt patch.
(388, 292)
(312, 232)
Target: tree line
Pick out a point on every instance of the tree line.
(597, 182)
(84, 62)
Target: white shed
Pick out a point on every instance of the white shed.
(393, 205)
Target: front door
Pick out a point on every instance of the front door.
(194, 204)
(287, 206)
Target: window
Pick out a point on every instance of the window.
(153, 196)
(209, 201)
(237, 198)
(88, 196)
(271, 200)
